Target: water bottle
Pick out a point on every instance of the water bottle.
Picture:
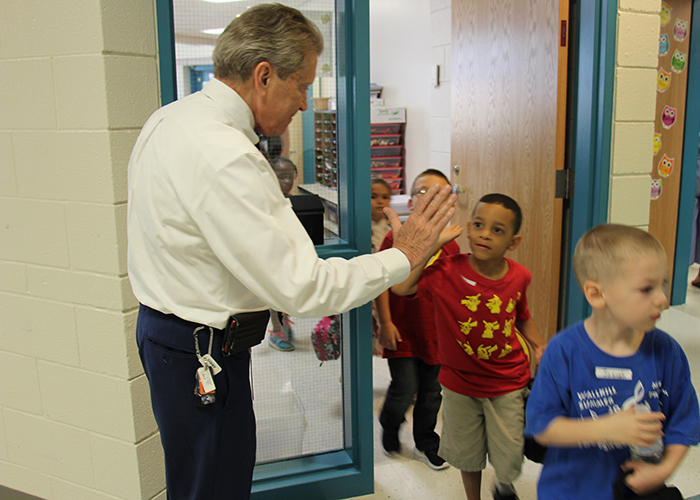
(653, 453)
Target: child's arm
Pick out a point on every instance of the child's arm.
(532, 334)
(410, 285)
(388, 333)
(647, 478)
(626, 427)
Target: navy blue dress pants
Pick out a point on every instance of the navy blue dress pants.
(209, 451)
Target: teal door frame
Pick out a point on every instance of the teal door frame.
(686, 199)
(590, 145)
(348, 472)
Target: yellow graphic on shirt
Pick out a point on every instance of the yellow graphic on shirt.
(467, 348)
(489, 328)
(505, 351)
(494, 304)
(466, 326)
(433, 259)
(518, 296)
(472, 302)
(508, 327)
(511, 306)
(484, 352)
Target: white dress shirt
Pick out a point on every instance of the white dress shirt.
(210, 233)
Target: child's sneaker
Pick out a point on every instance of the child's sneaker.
(391, 444)
(499, 496)
(435, 461)
(287, 328)
(279, 341)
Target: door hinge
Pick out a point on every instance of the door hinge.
(565, 184)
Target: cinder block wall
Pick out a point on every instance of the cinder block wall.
(77, 81)
(638, 26)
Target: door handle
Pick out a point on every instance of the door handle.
(457, 189)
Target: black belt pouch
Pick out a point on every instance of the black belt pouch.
(244, 330)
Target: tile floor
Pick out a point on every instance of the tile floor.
(407, 478)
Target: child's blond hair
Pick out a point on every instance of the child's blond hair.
(601, 252)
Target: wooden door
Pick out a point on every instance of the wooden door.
(672, 85)
(509, 60)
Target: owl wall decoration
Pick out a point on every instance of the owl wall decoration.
(663, 45)
(680, 30)
(657, 143)
(663, 80)
(655, 189)
(665, 13)
(668, 116)
(665, 167)
(678, 61)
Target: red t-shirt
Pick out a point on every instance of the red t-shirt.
(415, 318)
(481, 353)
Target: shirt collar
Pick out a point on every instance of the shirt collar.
(234, 105)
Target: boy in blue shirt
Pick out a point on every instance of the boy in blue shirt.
(613, 394)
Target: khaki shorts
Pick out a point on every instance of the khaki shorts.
(473, 428)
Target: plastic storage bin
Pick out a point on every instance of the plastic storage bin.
(389, 161)
(387, 173)
(385, 151)
(385, 128)
(385, 140)
(281, 424)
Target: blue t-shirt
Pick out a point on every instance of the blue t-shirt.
(576, 379)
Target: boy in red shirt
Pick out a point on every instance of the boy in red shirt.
(407, 333)
(482, 316)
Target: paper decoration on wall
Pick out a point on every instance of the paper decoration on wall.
(680, 30)
(655, 189)
(668, 116)
(663, 80)
(678, 61)
(665, 13)
(657, 143)
(663, 45)
(665, 167)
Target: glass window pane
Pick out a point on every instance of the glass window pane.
(311, 140)
(298, 399)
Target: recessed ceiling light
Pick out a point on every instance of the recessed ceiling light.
(214, 31)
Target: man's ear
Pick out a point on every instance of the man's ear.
(515, 242)
(262, 74)
(594, 294)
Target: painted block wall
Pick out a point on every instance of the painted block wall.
(638, 26)
(77, 81)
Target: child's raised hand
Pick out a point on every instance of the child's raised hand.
(448, 234)
(389, 336)
(632, 428)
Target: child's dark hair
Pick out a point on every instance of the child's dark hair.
(381, 182)
(506, 202)
(429, 171)
(281, 161)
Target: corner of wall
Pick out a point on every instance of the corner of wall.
(633, 119)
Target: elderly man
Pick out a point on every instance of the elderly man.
(212, 242)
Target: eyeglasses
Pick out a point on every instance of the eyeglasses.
(419, 192)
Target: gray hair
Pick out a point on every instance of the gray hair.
(275, 33)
